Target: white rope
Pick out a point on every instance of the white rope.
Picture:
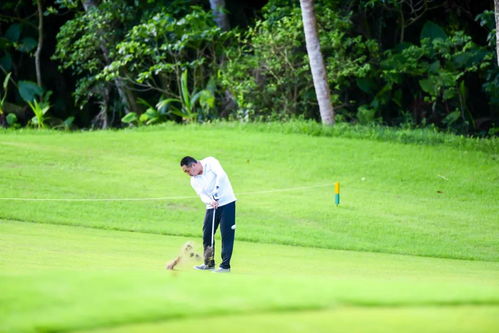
(286, 189)
(98, 199)
(161, 198)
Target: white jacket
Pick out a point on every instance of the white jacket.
(213, 182)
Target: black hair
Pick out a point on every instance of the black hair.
(188, 161)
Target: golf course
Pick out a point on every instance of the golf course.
(89, 219)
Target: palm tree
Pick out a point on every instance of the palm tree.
(496, 3)
(317, 62)
(40, 43)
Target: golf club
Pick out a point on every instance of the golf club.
(209, 252)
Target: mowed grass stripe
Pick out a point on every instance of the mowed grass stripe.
(341, 319)
(66, 278)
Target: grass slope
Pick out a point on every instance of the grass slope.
(65, 278)
(425, 200)
(73, 269)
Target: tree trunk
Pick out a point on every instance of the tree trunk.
(218, 9)
(102, 119)
(496, 3)
(402, 24)
(317, 62)
(40, 43)
(126, 95)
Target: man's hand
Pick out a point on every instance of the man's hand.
(214, 199)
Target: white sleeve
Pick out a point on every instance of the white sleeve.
(204, 198)
(220, 175)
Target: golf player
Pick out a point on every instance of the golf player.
(211, 183)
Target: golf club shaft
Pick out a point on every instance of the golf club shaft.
(213, 226)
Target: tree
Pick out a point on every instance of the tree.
(317, 62)
(126, 95)
(40, 43)
(496, 3)
(156, 53)
(218, 9)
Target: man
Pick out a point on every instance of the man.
(211, 183)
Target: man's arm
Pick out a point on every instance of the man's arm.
(220, 176)
(204, 198)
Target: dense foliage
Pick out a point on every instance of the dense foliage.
(410, 63)
(268, 72)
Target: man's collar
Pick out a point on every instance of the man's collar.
(202, 167)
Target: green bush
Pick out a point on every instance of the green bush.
(269, 75)
(157, 53)
(432, 75)
(85, 45)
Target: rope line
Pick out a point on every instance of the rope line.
(289, 189)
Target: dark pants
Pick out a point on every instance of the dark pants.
(225, 216)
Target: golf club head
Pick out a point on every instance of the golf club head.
(208, 254)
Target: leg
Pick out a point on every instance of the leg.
(227, 228)
(208, 220)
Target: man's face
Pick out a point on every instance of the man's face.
(193, 170)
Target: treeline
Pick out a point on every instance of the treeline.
(98, 64)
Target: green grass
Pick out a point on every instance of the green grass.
(422, 136)
(396, 198)
(63, 278)
(415, 239)
(343, 319)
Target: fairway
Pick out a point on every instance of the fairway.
(63, 278)
(88, 221)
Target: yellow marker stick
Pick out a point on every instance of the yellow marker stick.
(337, 193)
